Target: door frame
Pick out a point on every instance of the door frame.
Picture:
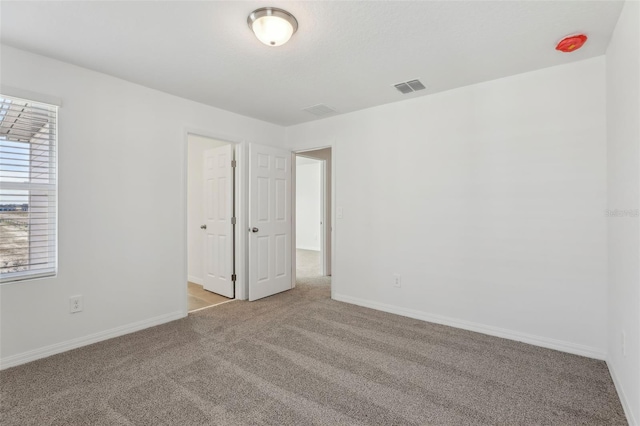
(323, 209)
(301, 152)
(240, 195)
(242, 209)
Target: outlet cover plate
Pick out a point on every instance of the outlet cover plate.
(75, 304)
(397, 280)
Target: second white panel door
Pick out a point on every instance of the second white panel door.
(270, 221)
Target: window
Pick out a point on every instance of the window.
(28, 190)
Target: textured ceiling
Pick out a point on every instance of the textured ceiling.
(346, 55)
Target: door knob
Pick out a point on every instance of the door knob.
(254, 229)
(203, 226)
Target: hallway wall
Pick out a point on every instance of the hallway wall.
(308, 203)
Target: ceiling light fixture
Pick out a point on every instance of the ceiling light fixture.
(272, 26)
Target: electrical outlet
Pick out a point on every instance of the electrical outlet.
(623, 343)
(339, 213)
(397, 280)
(75, 304)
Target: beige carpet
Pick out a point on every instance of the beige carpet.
(308, 268)
(307, 263)
(299, 358)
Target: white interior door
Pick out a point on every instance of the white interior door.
(218, 212)
(270, 224)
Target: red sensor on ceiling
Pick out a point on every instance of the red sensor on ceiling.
(571, 43)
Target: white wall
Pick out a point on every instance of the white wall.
(487, 199)
(197, 145)
(122, 206)
(308, 203)
(623, 146)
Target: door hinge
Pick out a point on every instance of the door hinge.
(233, 163)
(233, 220)
(233, 277)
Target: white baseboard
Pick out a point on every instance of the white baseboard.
(23, 358)
(195, 280)
(622, 395)
(544, 342)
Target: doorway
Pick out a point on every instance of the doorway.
(262, 256)
(210, 222)
(313, 217)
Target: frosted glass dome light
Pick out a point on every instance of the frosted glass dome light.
(272, 26)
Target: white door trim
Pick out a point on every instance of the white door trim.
(323, 211)
(294, 241)
(323, 217)
(294, 153)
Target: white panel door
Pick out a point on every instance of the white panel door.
(218, 211)
(269, 221)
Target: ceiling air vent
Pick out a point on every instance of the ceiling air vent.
(403, 88)
(319, 110)
(409, 86)
(416, 85)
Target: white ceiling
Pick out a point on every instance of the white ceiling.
(346, 55)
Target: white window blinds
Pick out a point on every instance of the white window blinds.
(28, 190)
